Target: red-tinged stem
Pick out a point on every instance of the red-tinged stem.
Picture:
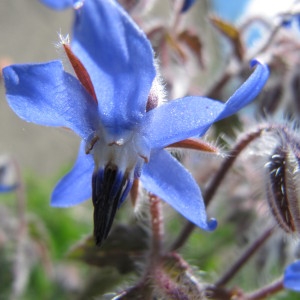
(243, 259)
(267, 291)
(231, 157)
(157, 227)
(217, 179)
(155, 253)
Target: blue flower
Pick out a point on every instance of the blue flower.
(186, 5)
(111, 105)
(229, 10)
(289, 19)
(291, 278)
(60, 4)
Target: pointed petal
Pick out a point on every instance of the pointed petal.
(192, 116)
(58, 4)
(76, 186)
(179, 119)
(44, 94)
(291, 278)
(165, 177)
(247, 91)
(118, 58)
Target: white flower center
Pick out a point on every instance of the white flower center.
(127, 152)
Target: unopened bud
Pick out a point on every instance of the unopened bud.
(282, 186)
(175, 280)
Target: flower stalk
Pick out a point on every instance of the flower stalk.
(218, 178)
(243, 259)
(156, 228)
(267, 291)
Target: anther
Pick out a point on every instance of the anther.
(89, 146)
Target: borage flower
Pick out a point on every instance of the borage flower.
(111, 104)
(291, 279)
(229, 10)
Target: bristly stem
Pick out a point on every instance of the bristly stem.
(242, 260)
(217, 179)
(155, 254)
(228, 162)
(266, 291)
(156, 226)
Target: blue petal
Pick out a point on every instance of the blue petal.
(165, 177)
(192, 116)
(179, 119)
(229, 10)
(7, 188)
(76, 186)
(58, 4)
(291, 278)
(46, 95)
(248, 90)
(186, 5)
(118, 58)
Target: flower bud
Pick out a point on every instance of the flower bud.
(174, 280)
(282, 185)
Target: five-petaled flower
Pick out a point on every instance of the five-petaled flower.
(110, 104)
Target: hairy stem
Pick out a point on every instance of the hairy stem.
(243, 259)
(156, 227)
(266, 291)
(217, 179)
(156, 222)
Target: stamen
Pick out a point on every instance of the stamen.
(81, 73)
(117, 143)
(110, 188)
(145, 158)
(90, 145)
(126, 189)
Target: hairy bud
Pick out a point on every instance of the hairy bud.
(175, 280)
(282, 185)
